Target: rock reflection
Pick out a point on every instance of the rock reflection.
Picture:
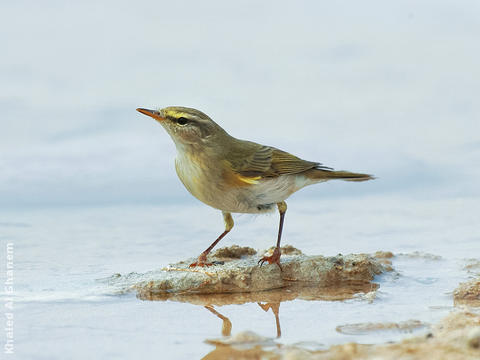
(266, 300)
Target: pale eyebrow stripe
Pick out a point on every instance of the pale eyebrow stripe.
(178, 114)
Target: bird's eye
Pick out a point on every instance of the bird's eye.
(182, 121)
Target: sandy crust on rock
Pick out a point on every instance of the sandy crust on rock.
(468, 293)
(240, 273)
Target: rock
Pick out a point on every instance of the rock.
(286, 250)
(473, 266)
(468, 293)
(233, 252)
(240, 273)
(420, 255)
(383, 254)
(244, 339)
(293, 353)
(384, 257)
(456, 337)
(446, 341)
(473, 338)
(365, 328)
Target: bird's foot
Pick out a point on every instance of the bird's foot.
(196, 263)
(202, 261)
(272, 259)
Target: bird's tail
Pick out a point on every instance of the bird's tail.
(324, 175)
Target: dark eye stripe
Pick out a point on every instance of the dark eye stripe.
(182, 121)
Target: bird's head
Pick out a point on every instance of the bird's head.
(186, 126)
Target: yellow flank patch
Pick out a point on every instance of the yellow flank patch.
(249, 180)
(233, 178)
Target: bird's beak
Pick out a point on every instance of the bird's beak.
(157, 115)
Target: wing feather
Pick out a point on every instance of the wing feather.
(266, 161)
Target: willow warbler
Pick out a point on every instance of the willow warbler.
(237, 176)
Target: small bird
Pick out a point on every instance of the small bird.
(237, 176)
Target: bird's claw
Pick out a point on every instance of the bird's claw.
(198, 263)
(203, 263)
(272, 259)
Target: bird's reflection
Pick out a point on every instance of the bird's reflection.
(266, 300)
(275, 309)
(226, 323)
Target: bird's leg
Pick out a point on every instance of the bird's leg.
(202, 259)
(275, 309)
(226, 324)
(275, 257)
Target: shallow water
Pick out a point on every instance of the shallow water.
(390, 89)
(61, 256)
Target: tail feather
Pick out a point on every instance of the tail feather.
(319, 174)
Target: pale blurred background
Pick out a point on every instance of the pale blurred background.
(88, 187)
(389, 88)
